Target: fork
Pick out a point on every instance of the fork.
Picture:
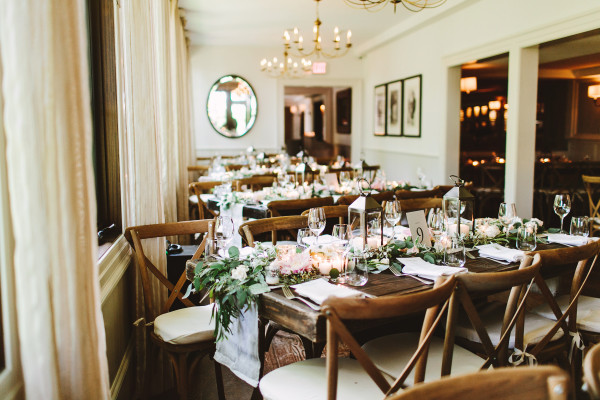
(397, 272)
(287, 292)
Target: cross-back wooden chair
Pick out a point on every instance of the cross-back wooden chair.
(527, 383)
(196, 171)
(199, 188)
(379, 197)
(592, 187)
(358, 377)
(278, 208)
(254, 182)
(578, 315)
(591, 372)
(250, 230)
(483, 338)
(425, 203)
(233, 167)
(186, 335)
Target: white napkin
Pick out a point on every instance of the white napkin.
(239, 350)
(498, 252)
(323, 239)
(401, 232)
(319, 289)
(569, 240)
(420, 267)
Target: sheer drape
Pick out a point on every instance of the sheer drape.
(49, 145)
(154, 139)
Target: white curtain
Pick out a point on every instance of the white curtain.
(154, 140)
(47, 119)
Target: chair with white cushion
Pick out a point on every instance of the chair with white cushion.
(484, 336)
(186, 335)
(358, 377)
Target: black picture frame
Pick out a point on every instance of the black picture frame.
(411, 106)
(394, 108)
(343, 103)
(379, 110)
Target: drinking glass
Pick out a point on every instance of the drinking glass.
(562, 206)
(506, 213)
(358, 270)
(316, 221)
(303, 233)
(435, 221)
(580, 226)
(392, 214)
(454, 254)
(526, 237)
(342, 233)
(224, 230)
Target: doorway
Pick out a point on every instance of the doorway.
(318, 120)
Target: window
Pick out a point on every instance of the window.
(105, 119)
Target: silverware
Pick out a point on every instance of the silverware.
(471, 256)
(397, 272)
(287, 292)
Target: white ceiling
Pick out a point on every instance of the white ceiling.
(262, 22)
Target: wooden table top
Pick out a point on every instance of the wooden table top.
(308, 323)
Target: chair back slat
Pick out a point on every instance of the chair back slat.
(199, 188)
(250, 229)
(278, 208)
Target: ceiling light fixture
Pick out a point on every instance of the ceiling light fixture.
(411, 5)
(468, 85)
(286, 67)
(294, 43)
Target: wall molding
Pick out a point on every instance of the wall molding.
(112, 266)
(117, 383)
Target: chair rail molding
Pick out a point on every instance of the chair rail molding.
(112, 266)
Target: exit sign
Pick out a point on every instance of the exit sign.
(319, 67)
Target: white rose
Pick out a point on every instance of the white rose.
(490, 231)
(537, 221)
(240, 273)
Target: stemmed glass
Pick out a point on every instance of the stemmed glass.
(506, 213)
(316, 221)
(436, 221)
(392, 212)
(562, 206)
(224, 229)
(303, 233)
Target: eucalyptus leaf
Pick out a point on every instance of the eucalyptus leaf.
(188, 291)
(199, 267)
(553, 230)
(259, 288)
(429, 258)
(234, 252)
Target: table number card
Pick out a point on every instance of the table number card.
(332, 182)
(418, 227)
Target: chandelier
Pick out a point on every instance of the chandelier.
(411, 5)
(286, 67)
(295, 44)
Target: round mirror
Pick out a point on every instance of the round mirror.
(232, 106)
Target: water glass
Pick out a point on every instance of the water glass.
(392, 213)
(454, 254)
(506, 213)
(304, 233)
(580, 226)
(316, 221)
(342, 233)
(526, 237)
(357, 270)
(562, 206)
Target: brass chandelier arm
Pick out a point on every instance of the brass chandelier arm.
(411, 5)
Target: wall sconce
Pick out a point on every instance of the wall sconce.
(493, 116)
(294, 109)
(468, 85)
(594, 93)
(484, 110)
(469, 112)
(495, 105)
(476, 110)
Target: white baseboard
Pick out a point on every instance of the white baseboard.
(126, 361)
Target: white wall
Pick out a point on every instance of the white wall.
(210, 63)
(471, 30)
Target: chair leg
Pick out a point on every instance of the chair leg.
(219, 378)
(182, 376)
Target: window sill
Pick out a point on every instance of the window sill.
(112, 265)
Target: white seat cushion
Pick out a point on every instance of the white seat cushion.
(307, 380)
(193, 199)
(188, 325)
(391, 353)
(588, 311)
(492, 314)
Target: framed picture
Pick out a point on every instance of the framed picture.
(411, 106)
(394, 109)
(379, 111)
(343, 102)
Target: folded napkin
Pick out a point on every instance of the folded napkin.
(420, 267)
(401, 232)
(319, 289)
(323, 239)
(500, 253)
(569, 240)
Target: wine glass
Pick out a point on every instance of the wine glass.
(435, 221)
(506, 213)
(562, 206)
(316, 221)
(392, 212)
(303, 233)
(224, 229)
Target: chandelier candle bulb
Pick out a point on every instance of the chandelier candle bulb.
(286, 37)
(348, 37)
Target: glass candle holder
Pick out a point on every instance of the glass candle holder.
(527, 237)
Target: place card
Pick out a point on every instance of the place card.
(419, 230)
(332, 182)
